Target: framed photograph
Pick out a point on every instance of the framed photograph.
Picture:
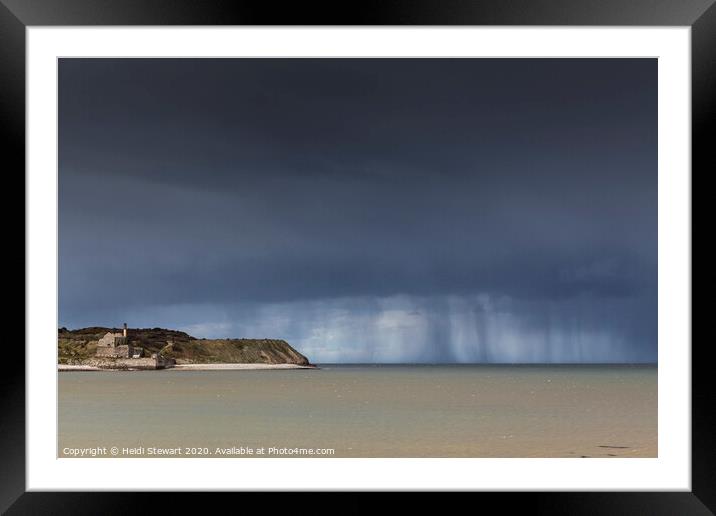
(425, 247)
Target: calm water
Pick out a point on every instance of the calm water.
(367, 411)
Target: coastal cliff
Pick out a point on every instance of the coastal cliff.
(78, 347)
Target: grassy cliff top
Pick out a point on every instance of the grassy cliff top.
(74, 346)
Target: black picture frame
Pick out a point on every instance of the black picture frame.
(16, 15)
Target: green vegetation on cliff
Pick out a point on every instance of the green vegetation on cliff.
(75, 346)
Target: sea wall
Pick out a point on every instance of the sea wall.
(145, 363)
(161, 362)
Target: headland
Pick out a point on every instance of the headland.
(101, 348)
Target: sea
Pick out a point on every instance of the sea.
(362, 411)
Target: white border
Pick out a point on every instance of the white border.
(671, 470)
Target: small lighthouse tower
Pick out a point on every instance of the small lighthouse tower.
(124, 331)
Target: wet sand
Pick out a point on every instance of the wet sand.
(368, 411)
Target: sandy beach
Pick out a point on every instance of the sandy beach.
(235, 367)
(67, 367)
(193, 367)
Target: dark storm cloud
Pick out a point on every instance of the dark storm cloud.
(274, 184)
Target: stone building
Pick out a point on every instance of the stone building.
(117, 345)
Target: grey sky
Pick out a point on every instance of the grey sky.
(366, 209)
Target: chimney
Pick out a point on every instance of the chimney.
(124, 332)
